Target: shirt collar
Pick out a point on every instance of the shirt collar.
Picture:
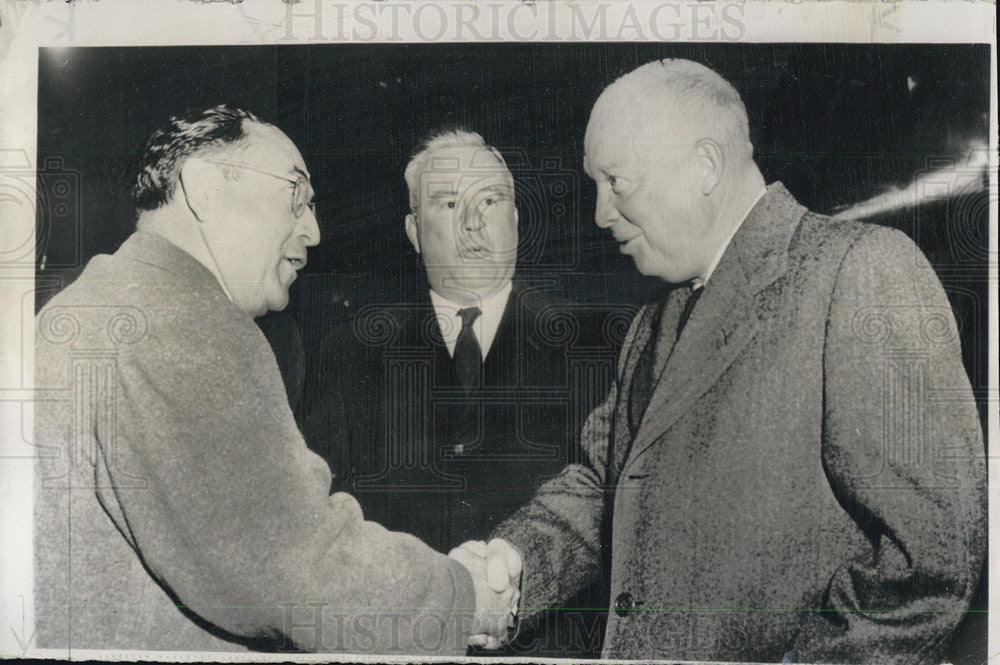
(486, 324)
(699, 282)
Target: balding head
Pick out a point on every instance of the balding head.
(667, 103)
(668, 146)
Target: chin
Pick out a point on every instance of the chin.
(276, 306)
(255, 312)
(276, 303)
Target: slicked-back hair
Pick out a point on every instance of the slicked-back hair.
(181, 137)
(447, 138)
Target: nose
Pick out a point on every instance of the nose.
(605, 213)
(474, 218)
(308, 228)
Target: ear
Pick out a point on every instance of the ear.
(411, 231)
(711, 163)
(197, 185)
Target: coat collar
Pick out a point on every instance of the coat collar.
(152, 249)
(725, 319)
(184, 273)
(761, 245)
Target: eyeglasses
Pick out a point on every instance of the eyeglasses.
(300, 189)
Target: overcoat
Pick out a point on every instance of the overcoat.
(809, 475)
(176, 504)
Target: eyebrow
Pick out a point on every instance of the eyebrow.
(609, 168)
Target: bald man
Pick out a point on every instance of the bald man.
(790, 457)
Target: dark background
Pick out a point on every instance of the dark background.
(836, 123)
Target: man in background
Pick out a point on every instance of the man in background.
(177, 507)
(790, 456)
(444, 415)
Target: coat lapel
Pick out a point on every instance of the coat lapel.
(644, 334)
(420, 333)
(726, 317)
(502, 361)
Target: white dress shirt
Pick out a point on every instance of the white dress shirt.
(484, 327)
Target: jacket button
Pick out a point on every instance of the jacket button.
(625, 603)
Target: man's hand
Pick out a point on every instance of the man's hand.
(496, 576)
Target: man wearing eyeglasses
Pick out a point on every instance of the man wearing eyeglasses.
(177, 506)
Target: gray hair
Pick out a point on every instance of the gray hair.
(450, 138)
(689, 86)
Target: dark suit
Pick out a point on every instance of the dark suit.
(808, 475)
(422, 456)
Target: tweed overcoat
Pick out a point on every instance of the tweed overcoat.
(809, 475)
(177, 506)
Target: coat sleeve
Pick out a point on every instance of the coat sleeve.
(558, 533)
(207, 477)
(902, 450)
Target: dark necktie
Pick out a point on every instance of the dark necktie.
(651, 362)
(468, 356)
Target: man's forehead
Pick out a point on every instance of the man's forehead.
(610, 130)
(617, 136)
(271, 145)
(463, 182)
(460, 170)
(606, 149)
(459, 159)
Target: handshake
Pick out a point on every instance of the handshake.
(496, 576)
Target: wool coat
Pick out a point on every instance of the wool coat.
(808, 479)
(177, 506)
(387, 410)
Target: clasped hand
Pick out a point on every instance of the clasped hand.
(496, 575)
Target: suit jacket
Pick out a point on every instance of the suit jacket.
(422, 456)
(808, 476)
(177, 506)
